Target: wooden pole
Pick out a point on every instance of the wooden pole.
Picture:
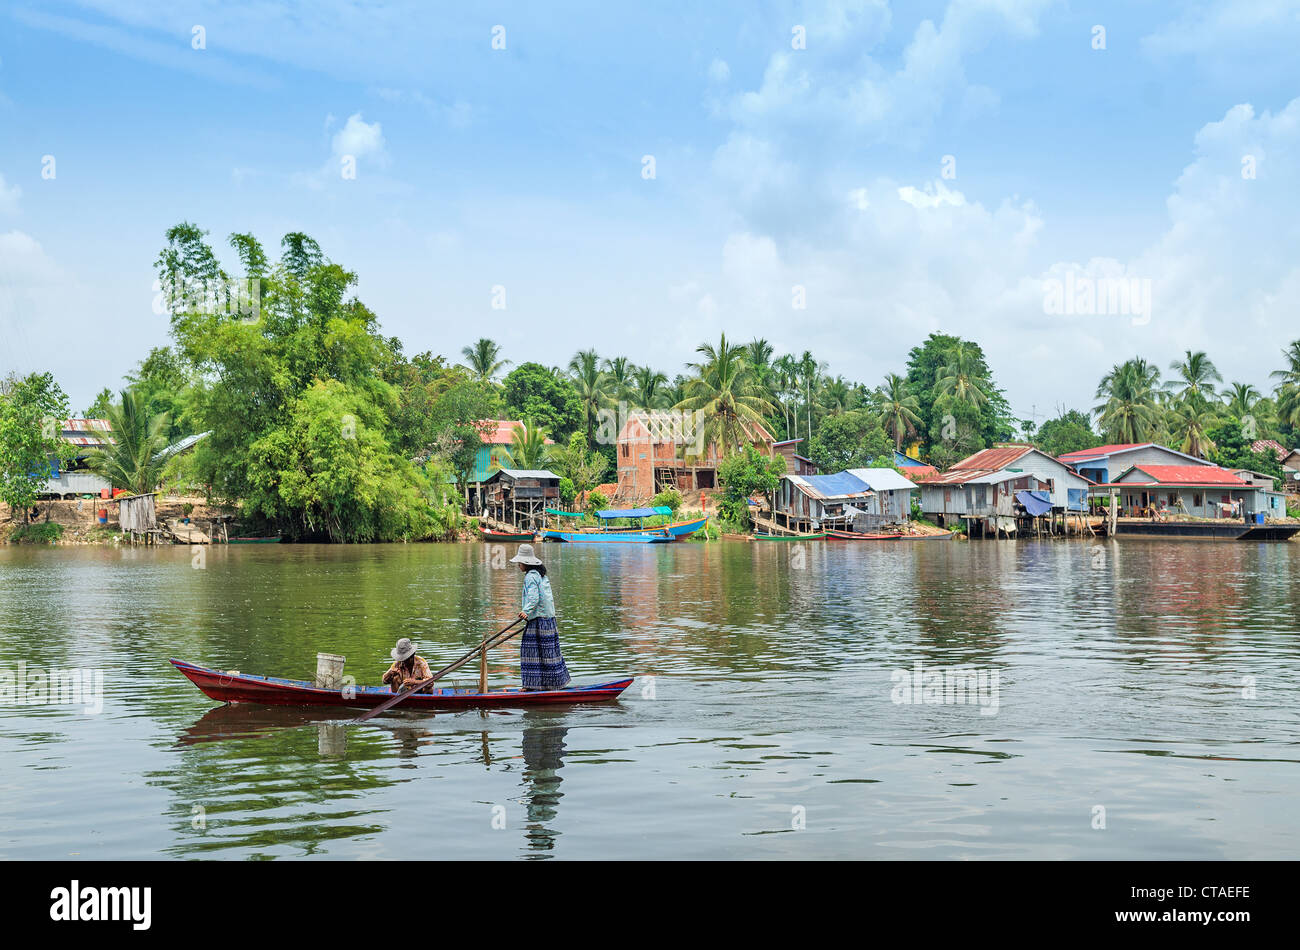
(482, 667)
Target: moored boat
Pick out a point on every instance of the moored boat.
(647, 536)
(790, 537)
(275, 540)
(505, 536)
(232, 687)
(837, 535)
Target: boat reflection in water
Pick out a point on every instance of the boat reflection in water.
(249, 721)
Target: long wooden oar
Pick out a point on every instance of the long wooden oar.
(496, 639)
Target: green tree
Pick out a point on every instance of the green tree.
(725, 395)
(592, 386)
(532, 391)
(744, 474)
(649, 384)
(852, 440)
(1071, 431)
(133, 460)
(1130, 412)
(1189, 420)
(1195, 376)
(99, 408)
(528, 448)
(1232, 449)
(32, 408)
(579, 464)
(900, 410)
(483, 359)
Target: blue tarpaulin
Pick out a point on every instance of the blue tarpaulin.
(836, 486)
(1035, 502)
(635, 512)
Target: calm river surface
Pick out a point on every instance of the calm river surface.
(1150, 688)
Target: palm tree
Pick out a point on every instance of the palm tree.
(1190, 418)
(964, 378)
(1196, 374)
(1291, 375)
(900, 410)
(810, 375)
(592, 386)
(528, 448)
(836, 397)
(1130, 412)
(620, 372)
(483, 359)
(1240, 399)
(133, 460)
(787, 375)
(649, 387)
(726, 394)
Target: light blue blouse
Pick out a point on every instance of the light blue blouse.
(538, 601)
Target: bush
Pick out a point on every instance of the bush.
(668, 498)
(44, 533)
(596, 502)
(568, 493)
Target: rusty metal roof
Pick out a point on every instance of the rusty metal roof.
(827, 487)
(995, 458)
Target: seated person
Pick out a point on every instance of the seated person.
(408, 668)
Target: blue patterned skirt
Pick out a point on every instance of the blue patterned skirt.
(540, 661)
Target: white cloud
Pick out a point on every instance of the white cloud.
(359, 139)
(356, 146)
(719, 71)
(934, 195)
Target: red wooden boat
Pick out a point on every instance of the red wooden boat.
(272, 691)
(502, 537)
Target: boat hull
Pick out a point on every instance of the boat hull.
(855, 536)
(272, 691)
(503, 537)
(1205, 530)
(790, 537)
(254, 541)
(607, 537)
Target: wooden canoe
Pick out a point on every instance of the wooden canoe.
(836, 535)
(648, 536)
(789, 537)
(272, 691)
(275, 540)
(503, 536)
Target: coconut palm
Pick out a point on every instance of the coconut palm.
(620, 373)
(1195, 374)
(592, 386)
(836, 396)
(1291, 375)
(133, 459)
(1240, 398)
(786, 370)
(900, 410)
(1189, 419)
(1131, 411)
(528, 448)
(649, 387)
(964, 378)
(810, 373)
(483, 359)
(726, 395)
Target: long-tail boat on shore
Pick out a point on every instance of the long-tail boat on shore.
(234, 687)
(821, 536)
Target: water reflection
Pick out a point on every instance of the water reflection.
(543, 748)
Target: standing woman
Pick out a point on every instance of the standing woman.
(540, 661)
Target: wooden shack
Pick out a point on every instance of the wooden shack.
(520, 497)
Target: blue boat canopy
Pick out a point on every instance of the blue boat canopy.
(564, 514)
(1035, 502)
(635, 512)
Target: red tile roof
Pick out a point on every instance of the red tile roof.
(1271, 445)
(1189, 475)
(1102, 450)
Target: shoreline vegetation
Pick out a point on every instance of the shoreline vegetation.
(278, 401)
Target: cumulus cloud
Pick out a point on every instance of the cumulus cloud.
(358, 144)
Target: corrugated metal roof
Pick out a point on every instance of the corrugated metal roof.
(1271, 445)
(1102, 451)
(998, 457)
(976, 476)
(881, 479)
(529, 473)
(1211, 475)
(501, 431)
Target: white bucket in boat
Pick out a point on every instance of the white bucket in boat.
(329, 671)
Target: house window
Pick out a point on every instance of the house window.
(1172, 500)
(981, 496)
(1196, 499)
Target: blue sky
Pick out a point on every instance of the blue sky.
(819, 167)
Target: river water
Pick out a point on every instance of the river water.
(1131, 699)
